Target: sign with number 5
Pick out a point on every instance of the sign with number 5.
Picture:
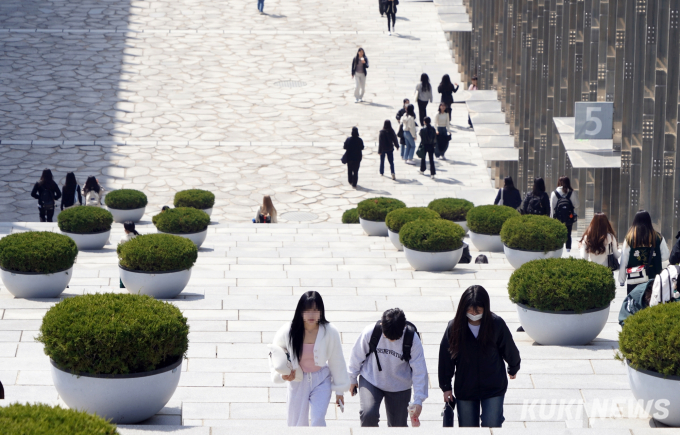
(593, 120)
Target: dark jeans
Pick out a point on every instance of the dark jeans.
(370, 398)
(469, 121)
(491, 412)
(442, 141)
(422, 111)
(390, 13)
(46, 213)
(429, 151)
(353, 171)
(569, 227)
(390, 159)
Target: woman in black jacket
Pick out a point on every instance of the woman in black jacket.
(387, 142)
(474, 346)
(428, 139)
(354, 145)
(47, 193)
(71, 191)
(508, 195)
(536, 201)
(447, 89)
(359, 72)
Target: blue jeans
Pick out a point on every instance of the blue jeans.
(491, 412)
(260, 5)
(410, 146)
(390, 158)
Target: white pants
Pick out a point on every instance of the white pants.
(360, 80)
(312, 394)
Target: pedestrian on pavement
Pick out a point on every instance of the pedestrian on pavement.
(353, 146)
(71, 192)
(391, 12)
(636, 300)
(423, 96)
(443, 126)
(599, 240)
(266, 213)
(563, 205)
(447, 89)
(387, 142)
(386, 361)
(93, 192)
(508, 195)
(643, 251)
(536, 201)
(472, 87)
(408, 122)
(400, 133)
(359, 72)
(47, 193)
(428, 139)
(260, 6)
(474, 346)
(314, 349)
(130, 233)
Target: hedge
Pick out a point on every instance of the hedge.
(401, 216)
(350, 216)
(181, 220)
(41, 419)
(85, 220)
(157, 253)
(489, 219)
(436, 235)
(452, 209)
(562, 284)
(376, 209)
(195, 198)
(37, 252)
(534, 233)
(125, 199)
(105, 334)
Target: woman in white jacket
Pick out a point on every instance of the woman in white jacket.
(318, 365)
(409, 123)
(599, 240)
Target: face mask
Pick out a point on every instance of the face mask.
(474, 317)
(311, 316)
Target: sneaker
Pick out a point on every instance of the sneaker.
(356, 100)
(443, 157)
(421, 172)
(432, 176)
(393, 177)
(568, 250)
(520, 329)
(382, 175)
(361, 100)
(389, 33)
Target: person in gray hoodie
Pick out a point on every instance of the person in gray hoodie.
(386, 361)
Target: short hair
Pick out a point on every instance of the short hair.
(427, 120)
(393, 323)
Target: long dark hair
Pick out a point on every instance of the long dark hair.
(130, 226)
(539, 187)
(91, 184)
(475, 297)
(358, 58)
(355, 132)
(564, 183)
(445, 84)
(307, 301)
(46, 178)
(387, 126)
(641, 233)
(411, 111)
(596, 234)
(70, 182)
(425, 83)
(509, 184)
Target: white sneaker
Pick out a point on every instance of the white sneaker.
(356, 100)
(389, 33)
(394, 177)
(421, 172)
(432, 176)
(361, 100)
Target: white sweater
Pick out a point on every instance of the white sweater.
(409, 124)
(327, 352)
(601, 258)
(625, 253)
(442, 120)
(553, 200)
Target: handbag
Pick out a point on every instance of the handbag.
(612, 262)
(501, 201)
(421, 151)
(344, 158)
(400, 133)
(638, 274)
(447, 413)
(280, 360)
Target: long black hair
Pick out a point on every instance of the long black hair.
(641, 232)
(539, 187)
(445, 84)
(307, 301)
(130, 226)
(355, 132)
(509, 184)
(425, 83)
(91, 184)
(358, 58)
(387, 126)
(46, 178)
(70, 182)
(475, 297)
(411, 111)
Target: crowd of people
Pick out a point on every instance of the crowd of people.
(47, 192)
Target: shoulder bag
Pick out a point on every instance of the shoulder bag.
(612, 262)
(501, 201)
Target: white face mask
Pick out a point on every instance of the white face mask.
(474, 317)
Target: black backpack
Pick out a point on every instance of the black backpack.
(46, 197)
(564, 210)
(532, 205)
(465, 256)
(406, 349)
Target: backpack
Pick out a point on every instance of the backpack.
(92, 198)
(532, 205)
(564, 210)
(47, 197)
(465, 256)
(406, 349)
(265, 219)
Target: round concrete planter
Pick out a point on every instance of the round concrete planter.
(663, 392)
(484, 242)
(36, 285)
(198, 238)
(207, 210)
(90, 242)
(433, 261)
(394, 238)
(562, 328)
(372, 228)
(124, 399)
(160, 285)
(134, 215)
(517, 257)
(463, 224)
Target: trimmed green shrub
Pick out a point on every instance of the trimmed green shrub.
(110, 333)
(350, 216)
(433, 235)
(41, 419)
(451, 209)
(562, 284)
(376, 209)
(125, 199)
(195, 198)
(650, 339)
(85, 220)
(37, 252)
(401, 216)
(533, 233)
(489, 219)
(182, 220)
(157, 253)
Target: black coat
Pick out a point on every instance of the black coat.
(39, 188)
(511, 198)
(354, 146)
(447, 93)
(480, 371)
(675, 253)
(387, 141)
(428, 137)
(69, 196)
(400, 113)
(545, 203)
(354, 65)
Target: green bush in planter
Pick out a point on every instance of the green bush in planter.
(85, 220)
(432, 235)
(489, 219)
(562, 284)
(350, 216)
(37, 252)
(451, 209)
(650, 339)
(182, 220)
(401, 216)
(41, 419)
(195, 198)
(376, 209)
(533, 233)
(107, 334)
(157, 253)
(125, 199)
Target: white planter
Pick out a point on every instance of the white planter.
(89, 242)
(372, 228)
(394, 238)
(198, 238)
(125, 399)
(36, 285)
(663, 392)
(207, 210)
(433, 261)
(562, 328)
(463, 224)
(486, 243)
(160, 285)
(134, 215)
(517, 257)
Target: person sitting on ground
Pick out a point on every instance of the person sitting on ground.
(508, 195)
(266, 214)
(636, 300)
(93, 192)
(46, 192)
(71, 192)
